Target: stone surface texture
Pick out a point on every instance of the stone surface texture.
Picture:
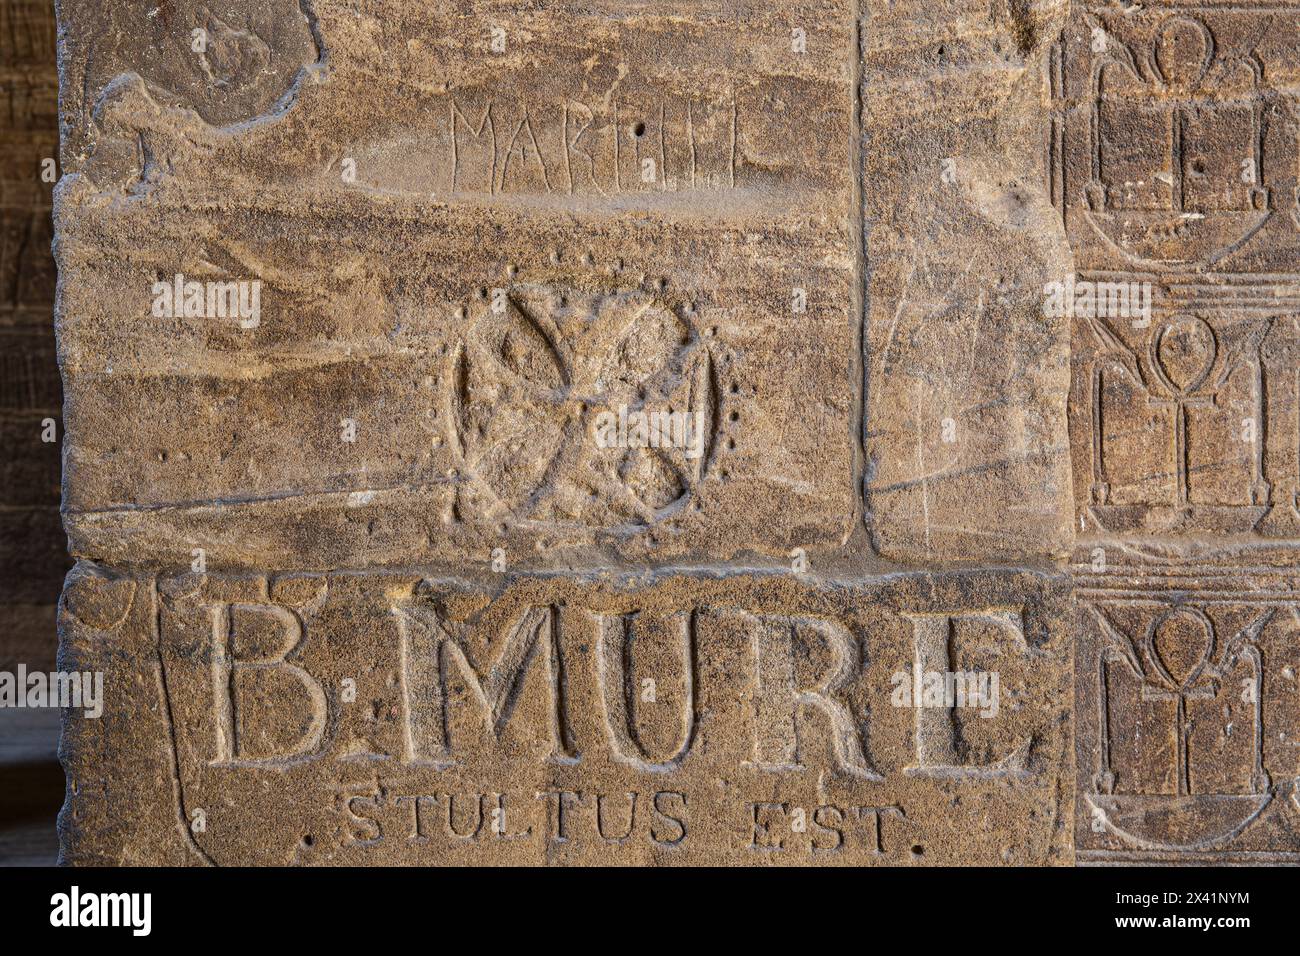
(351, 293)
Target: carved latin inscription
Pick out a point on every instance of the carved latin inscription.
(430, 651)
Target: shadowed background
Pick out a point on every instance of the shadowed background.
(33, 556)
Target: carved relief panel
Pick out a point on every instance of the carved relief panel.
(1172, 156)
(1187, 724)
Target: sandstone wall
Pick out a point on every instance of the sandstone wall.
(361, 304)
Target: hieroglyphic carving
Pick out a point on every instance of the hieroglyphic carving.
(1177, 421)
(1188, 424)
(1177, 154)
(1054, 161)
(26, 266)
(28, 92)
(29, 375)
(1186, 715)
(1169, 670)
(1176, 138)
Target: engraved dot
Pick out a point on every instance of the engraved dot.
(308, 840)
(638, 130)
(734, 416)
(918, 850)
(735, 388)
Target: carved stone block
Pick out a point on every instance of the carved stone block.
(517, 252)
(387, 718)
(1173, 155)
(1186, 718)
(966, 455)
(858, 433)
